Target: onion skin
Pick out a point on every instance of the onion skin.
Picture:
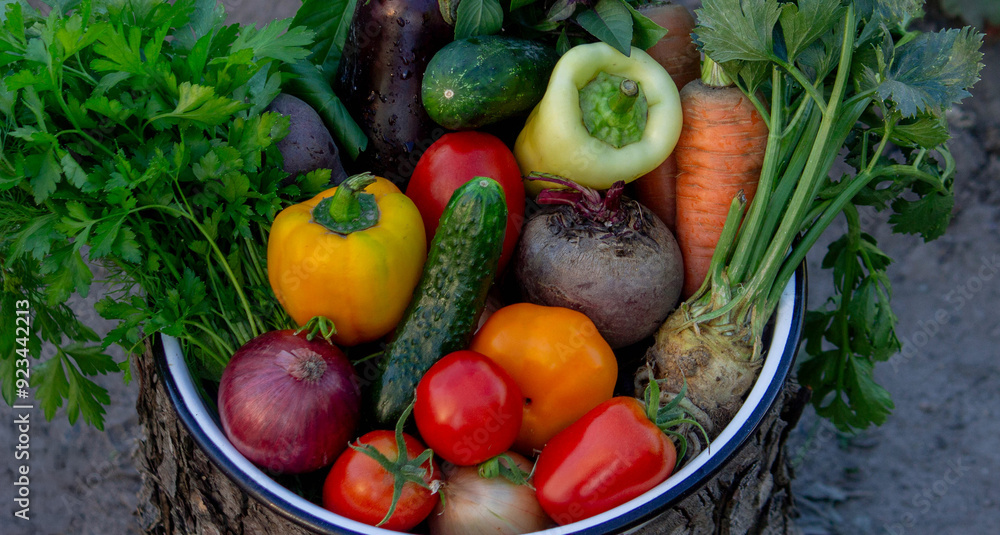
(475, 505)
(284, 424)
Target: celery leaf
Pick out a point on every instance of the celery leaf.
(933, 71)
(738, 30)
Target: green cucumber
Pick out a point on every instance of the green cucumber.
(451, 295)
(481, 80)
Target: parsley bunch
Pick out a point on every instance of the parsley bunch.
(133, 132)
(838, 77)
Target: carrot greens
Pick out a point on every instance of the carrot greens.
(834, 80)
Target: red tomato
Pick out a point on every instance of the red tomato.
(457, 158)
(359, 488)
(609, 456)
(468, 409)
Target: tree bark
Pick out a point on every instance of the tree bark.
(752, 493)
(184, 493)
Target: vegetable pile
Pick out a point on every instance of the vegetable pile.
(418, 247)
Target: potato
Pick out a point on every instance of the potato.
(308, 145)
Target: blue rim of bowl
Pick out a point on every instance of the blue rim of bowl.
(623, 522)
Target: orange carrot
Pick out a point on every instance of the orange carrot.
(657, 191)
(677, 53)
(720, 153)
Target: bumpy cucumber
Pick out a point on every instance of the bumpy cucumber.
(450, 297)
(480, 80)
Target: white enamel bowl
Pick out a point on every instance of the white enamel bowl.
(203, 425)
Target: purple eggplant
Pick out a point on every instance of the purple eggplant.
(388, 47)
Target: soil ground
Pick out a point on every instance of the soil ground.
(930, 469)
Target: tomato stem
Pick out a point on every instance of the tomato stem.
(670, 416)
(320, 325)
(403, 469)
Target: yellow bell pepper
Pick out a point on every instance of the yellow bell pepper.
(604, 117)
(352, 254)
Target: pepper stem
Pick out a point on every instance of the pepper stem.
(614, 109)
(349, 209)
(624, 99)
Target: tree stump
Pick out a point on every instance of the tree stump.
(184, 493)
(752, 493)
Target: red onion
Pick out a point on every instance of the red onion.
(288, 404)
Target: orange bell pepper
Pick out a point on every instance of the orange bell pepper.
(556, 356)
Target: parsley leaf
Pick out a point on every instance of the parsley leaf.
(200, 103)
(51, 386)
(45, 173)
(923, 131)
(275, 41)
(66, 273)
(846, 338)
(132, 133)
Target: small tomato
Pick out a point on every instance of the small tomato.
(360, 488)
(457, 158)
(611, 455)
(556, 356)
(468, 409)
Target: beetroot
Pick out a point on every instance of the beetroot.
(606, 256)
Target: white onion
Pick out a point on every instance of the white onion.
(475, 505)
